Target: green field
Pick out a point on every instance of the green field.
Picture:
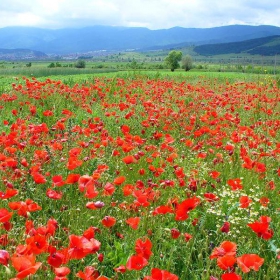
(110, 173)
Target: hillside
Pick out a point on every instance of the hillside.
(266, 46)
(81, 40)
(13, 54)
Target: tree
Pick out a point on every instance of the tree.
(80, 64)
(187, 63)
(172, 60)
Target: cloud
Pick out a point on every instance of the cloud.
(154, 14)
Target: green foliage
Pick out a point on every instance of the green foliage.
(254, 46)
(187, 63)
(52, 65)
(29, 64)
(173, 58)
(80, 64)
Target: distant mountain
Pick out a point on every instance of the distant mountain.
(13, 54)
(262, 46)
(81, 40)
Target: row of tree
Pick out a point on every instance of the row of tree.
(173, 59)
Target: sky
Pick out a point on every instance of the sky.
(153, 14)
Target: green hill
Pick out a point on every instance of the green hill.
(266, 46)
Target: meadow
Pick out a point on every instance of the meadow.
(146, 175)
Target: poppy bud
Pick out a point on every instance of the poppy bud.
(175, 233)
(226, 227)
(100, 257)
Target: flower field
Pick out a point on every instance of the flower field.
(138, 178)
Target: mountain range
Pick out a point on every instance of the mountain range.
(110, 38)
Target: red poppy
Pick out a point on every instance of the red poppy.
(184, 207)
(72, 178)
(226, 248)
(61, 272)
(37, 244)
(133, 222)
(143, 247)
(52, 194)
(5, 215)
(188, 237)
(244, 201)
(136, 262)
(108, 221)
(55, 259)
(57, 181)
(225, 227)
(129, 159)
(90, 273)
(8, 194)
(231, 276)
(175, 233)
(109, 189)
(4, 257)
(210, 197)
(163, 209)
(226, 262)
(235, 184)
(264, 201)
(121, 269)
(158, 274)
(119, 180)
(261, 227)
(250, 261)
(25, 265)
(38, 178)
(80, 246)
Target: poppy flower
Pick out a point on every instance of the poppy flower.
(8, 194)
(25, 265)
(52, 194)
(5, 215)
(235, 184)
(143, 247)
(121, 269)
(57, 181)
(162, 210)
(4, 257)
(175, 233)
(80, 246)
(38, 178)
(226, 248)
(249, 261)
(109, 189)
(108, 221)
(136, 262)
(261, 227)
(61, 272)
(72, 178)
(158, 274)
(37, 244)
(210, 197)
(133, 222)
(182, 210)
(226, 262)
(231, 276)
(129, 159)
(225, 227)
(188, 237)
(119, 180)
(244, 201)
(55, 259)
(89, 273)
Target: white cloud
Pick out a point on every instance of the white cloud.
(154, 14)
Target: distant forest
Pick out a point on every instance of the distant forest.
(262, 46)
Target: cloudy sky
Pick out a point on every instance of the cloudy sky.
(154, 14)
